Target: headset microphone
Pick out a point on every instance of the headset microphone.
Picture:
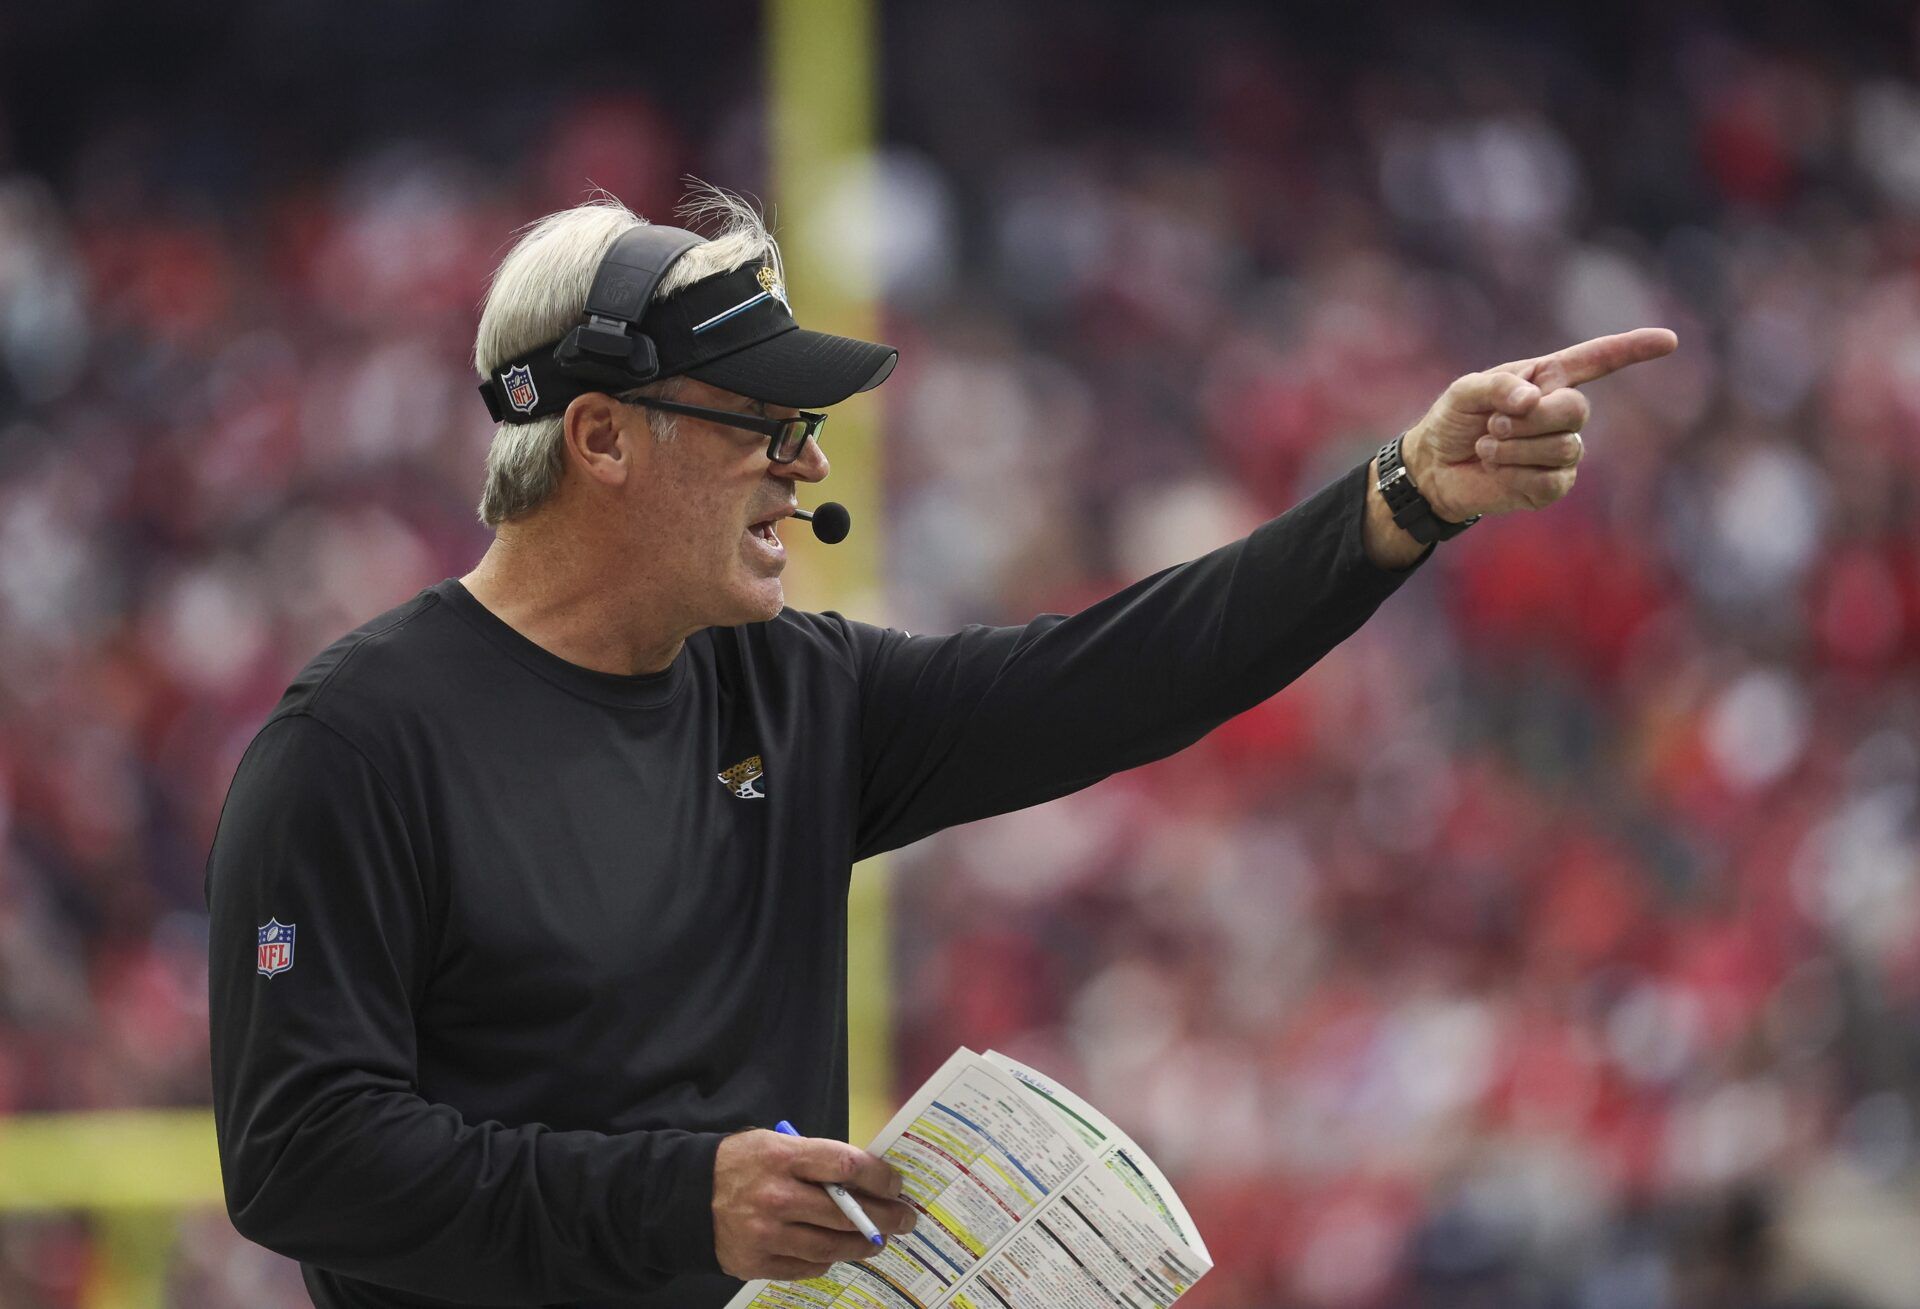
(831, 521)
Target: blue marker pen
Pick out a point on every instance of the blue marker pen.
(838, 1194)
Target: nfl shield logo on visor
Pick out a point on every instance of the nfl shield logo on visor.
(276, 947)
(519, 387)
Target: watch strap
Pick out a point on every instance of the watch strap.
(1410, 508)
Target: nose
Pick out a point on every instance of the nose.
(810, 466)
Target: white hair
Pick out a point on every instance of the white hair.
(540, 290)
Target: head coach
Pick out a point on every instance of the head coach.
(528, 901)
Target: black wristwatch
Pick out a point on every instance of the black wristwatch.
(1410, 509)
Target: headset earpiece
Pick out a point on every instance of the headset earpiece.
(601, 352)
(623, 286)
(608, 351)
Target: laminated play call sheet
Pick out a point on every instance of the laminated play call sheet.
(1028, 1198)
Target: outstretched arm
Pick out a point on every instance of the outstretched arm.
(991, 719)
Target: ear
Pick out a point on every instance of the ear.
(598, 433)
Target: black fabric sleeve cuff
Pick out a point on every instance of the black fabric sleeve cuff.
(671, 1196)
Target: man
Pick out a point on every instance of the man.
(528, 901)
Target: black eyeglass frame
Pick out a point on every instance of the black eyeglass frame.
(774, 429)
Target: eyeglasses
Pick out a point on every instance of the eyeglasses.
(786, 437)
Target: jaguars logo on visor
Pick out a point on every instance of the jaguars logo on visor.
(770, 283)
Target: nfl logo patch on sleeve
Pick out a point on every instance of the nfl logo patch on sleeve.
(276, 947)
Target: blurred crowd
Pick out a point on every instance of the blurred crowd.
(1553, 942)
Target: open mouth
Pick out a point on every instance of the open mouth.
(767, 529)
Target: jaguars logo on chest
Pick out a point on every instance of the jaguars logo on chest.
(740, 778)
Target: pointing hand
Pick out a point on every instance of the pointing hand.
(1509, 438)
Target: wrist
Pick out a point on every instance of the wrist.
(1388, 544)
(1421, 511)
(1417, 454)
(1423, 466)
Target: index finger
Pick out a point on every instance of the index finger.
(1602, 355)
(820, 1160)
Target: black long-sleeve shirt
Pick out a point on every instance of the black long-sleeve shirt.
(528, 938)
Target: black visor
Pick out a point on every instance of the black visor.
(733, 330)
(806, 370)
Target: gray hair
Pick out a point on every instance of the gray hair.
(540, 290)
